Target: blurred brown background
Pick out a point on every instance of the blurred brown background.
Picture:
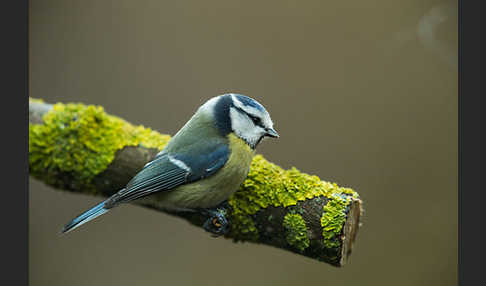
(363, 93)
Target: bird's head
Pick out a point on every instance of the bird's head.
(243, 116)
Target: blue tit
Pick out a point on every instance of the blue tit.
(202, 165)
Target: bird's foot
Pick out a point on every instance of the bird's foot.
(216, 223)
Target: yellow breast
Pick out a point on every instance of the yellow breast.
(217, 188)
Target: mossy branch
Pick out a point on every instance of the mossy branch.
(80, 148)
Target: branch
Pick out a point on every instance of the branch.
(80, 148)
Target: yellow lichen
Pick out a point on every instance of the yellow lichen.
(269, 185)
(296, 231)
(82, 140)
(333, 219)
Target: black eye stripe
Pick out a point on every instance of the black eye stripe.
(256, 120)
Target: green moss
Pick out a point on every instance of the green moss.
(82, 140)
(332, 221)
(269, 185)
(296, 231)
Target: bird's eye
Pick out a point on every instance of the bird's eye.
(256, 120)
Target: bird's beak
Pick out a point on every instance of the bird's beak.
(271, 133)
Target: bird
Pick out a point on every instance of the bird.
(201, 166)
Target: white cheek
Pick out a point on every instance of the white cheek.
(244, 127)
(240, 123)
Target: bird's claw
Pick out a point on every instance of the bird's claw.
(216, 223)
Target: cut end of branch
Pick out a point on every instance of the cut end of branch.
(351, 229)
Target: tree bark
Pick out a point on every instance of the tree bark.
(71, 149)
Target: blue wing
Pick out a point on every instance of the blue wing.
(169, 170)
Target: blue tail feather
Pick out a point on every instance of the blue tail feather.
(90, 214)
